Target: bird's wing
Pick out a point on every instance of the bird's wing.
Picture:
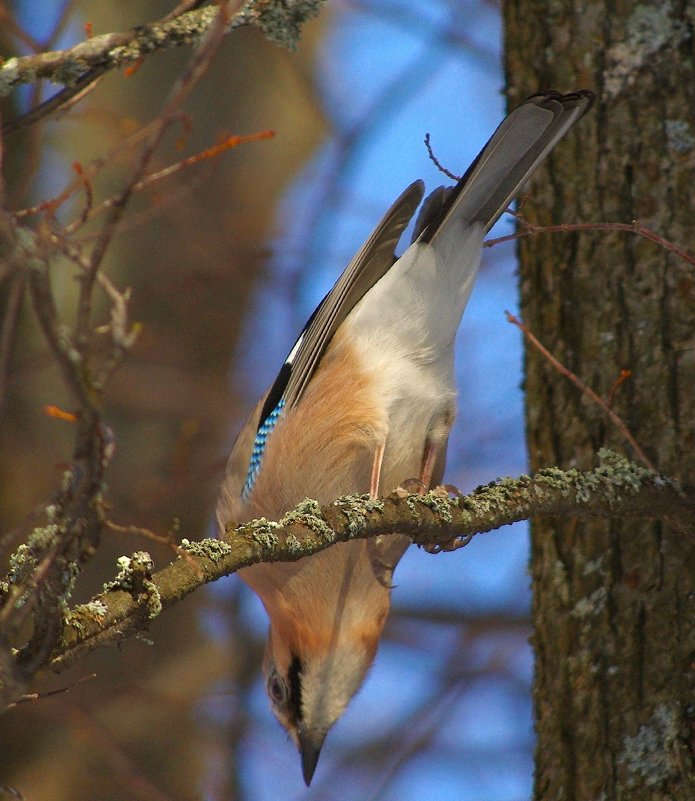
(372, 261)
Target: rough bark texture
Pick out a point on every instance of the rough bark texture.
(613, 601)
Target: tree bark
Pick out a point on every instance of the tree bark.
(613, 600)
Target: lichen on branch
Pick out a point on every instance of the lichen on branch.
(280, 21)
(436, 520)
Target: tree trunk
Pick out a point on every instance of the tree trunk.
(613, 602)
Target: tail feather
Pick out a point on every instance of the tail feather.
(442, 263)
(513, 152)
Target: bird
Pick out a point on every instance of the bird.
(365, 401)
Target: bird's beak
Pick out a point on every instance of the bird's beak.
(310, 744)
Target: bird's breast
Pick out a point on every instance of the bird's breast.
(416, 389)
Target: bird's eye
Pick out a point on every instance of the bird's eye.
(277, 689)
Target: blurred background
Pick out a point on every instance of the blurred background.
(226, 261)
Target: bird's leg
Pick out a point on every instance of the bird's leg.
(376, 469)
(382, 568)
(436, 440)
(421, 485)
(429, 459)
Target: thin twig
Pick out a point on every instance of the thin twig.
(634, 227)
(69, 360)
(9, 331)
(7, 19)
(195, 71)
(597, 399)
(88, 171)
(182, 8)
(49, 693)
(133, 783)
(60, 24)
(123, 336)
(438, 163)
(89, 194)
(33, 150)
(56, 101)
(227, 143)
(162, 539)
(210, 152)
(619, 381)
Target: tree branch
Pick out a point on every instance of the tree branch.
(279, 21)
(42, 572)
(436, 521)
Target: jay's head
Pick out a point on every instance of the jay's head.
(311, 673)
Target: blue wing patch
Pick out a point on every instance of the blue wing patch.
(272, 409)
(262, 435)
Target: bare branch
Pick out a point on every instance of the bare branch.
(29, 697)
(227, 143)
(586, 390)
(69, 360)
(44, 569)
(64, 99)
(42, 575)
(634, 227)
(437, 163)
(8, 330)
(194, 72)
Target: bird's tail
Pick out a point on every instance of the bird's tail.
(424, 294)
(513, 152)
